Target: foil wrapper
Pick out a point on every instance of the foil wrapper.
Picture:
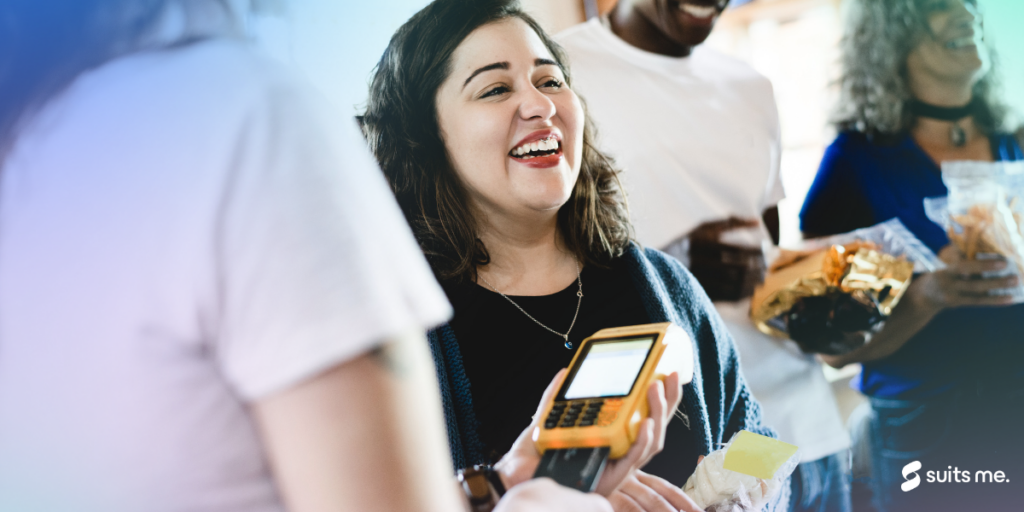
(826, 300)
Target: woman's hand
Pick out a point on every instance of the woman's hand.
(662, 400)
(963, 283)
(519, 464)
(647, 493)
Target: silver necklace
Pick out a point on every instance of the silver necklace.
(579, 293)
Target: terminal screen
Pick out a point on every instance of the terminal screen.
(609, 368)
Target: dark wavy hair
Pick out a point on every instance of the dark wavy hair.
(874, 92)
(46, 44)
(402, 128)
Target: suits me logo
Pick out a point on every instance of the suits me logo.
(950, 475)
(911, 483)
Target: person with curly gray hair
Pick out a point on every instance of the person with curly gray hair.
(943, 376)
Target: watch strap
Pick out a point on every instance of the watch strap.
(483, 487)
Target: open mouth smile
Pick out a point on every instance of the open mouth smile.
(538, 148)
(539, 152)
(960, 43)
(700, 12)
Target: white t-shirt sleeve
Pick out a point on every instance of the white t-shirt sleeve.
(316, 262)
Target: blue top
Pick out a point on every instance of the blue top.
(717, 403)
(861, 183)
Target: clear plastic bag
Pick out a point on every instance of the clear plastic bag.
(716, 489)
(984, 213)
(1011, 178)
(892, 238)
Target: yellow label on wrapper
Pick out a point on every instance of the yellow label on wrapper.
(756, 455)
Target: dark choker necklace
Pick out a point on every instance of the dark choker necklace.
(957, 135)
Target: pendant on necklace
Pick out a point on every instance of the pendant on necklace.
(957, 136)
(568, 344)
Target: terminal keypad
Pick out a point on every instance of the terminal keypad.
(583, 413)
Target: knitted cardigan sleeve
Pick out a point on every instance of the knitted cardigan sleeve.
(730, 405)
(456, 398)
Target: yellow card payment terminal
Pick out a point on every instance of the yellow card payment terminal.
(600, 406)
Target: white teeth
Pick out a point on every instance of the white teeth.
(523, 151)
(698, 11)
(960, 43)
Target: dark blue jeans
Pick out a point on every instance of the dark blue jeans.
(973, 431)
(822, 485)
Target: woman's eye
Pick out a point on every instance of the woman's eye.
(501, 89)
(553, 82)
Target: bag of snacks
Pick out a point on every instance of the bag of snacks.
(829, 296)
(984, 212)
(1011, 178)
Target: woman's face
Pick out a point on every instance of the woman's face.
(512, 128)
(953, 51)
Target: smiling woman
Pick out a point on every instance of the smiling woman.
(943, 375)
(487, 147)
(432, 111)
(513, 129)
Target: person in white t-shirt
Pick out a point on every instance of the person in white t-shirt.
(697, 134)
(209, 299)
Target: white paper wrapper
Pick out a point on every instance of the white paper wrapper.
(716, 489)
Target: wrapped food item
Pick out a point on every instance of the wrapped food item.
(744, 475)
(984, 212)
(828, 296)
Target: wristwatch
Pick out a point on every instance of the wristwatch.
(482, 486)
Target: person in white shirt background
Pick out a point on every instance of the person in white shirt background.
(209, 299)
(697, 134)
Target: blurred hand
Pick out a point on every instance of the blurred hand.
(962, 283)
(544, 495)
(647, 493)
(520, 463)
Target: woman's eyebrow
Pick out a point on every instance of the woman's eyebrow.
(489, 67)
(505, 65)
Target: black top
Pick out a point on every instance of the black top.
(510, 360)
(716, 405)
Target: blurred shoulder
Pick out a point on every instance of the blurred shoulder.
(582, 36)
(214, 75)
(849, 143)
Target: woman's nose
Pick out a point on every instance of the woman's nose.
(536, 105)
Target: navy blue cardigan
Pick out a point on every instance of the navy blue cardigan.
(717, 401)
